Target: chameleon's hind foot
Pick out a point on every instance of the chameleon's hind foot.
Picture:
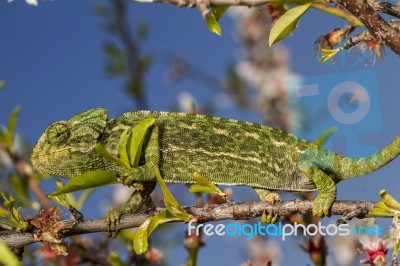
(326, 187)
(272, 197)
(322, 204)
(269, 218)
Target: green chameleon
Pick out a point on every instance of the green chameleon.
(225, 151)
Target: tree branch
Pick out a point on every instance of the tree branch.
(196, 3)
(377, 26)
(362, 14)
(385, 7)
(135, 69)
(215, 212)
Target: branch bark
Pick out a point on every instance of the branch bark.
(215, 212)
(363, 13)
(377, 26)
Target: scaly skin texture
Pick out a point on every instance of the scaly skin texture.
(225, 151)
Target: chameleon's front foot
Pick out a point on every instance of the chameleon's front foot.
(322, 204)
(140, 195)
(112, 218)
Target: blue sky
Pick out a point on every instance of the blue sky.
(51, 58)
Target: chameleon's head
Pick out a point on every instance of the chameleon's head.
(66, 148)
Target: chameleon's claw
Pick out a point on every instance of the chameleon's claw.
(273, 198)
(270, 218)
(112, 218)
(322, 204)
(112, 233)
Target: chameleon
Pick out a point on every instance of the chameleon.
(225, 151)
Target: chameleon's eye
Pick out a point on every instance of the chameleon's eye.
(57, 133)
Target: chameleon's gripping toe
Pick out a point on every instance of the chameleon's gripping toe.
(270, 218)
(112, 218)
(140, 196)
(322, 204)
(272, 197)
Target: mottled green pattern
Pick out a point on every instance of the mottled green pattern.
(222, 150)
(66, 148)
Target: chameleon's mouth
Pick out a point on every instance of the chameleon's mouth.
(38, 162)
(64, 161)
(36, 153)
(48, 165)
(45, 162)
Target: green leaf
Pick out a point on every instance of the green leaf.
(126, 236)
(20, 185)
(140, 239)
(82, 199)
(382, 205)
(396, 249)
(212, 20)
(172, 205)
(7, 257)
(115, 259)
(122, 152)
(203, 185)
(3, 213)
(286, 24)
(2, 84)
(63, 200)
(8, 202)
(328, 54)
(2, 136)
(381, 213)
(213, 25)
(389, 201)
(104, 153)
(388, 207)
(12, 123)
(198, 188)
(138, 136)
(219, 11)
(89, 179)
(14, 218)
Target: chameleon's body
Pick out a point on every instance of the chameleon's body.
(224, 151)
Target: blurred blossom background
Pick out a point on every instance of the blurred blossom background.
(59, 58)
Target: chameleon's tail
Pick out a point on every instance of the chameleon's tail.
(350, 167)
